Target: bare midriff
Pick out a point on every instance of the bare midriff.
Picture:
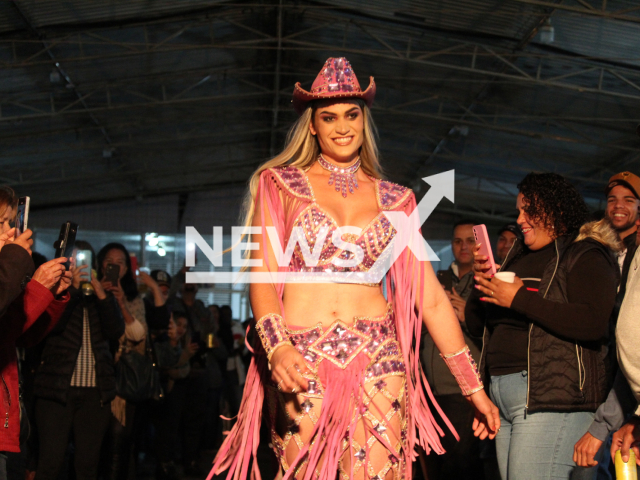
(308, 304)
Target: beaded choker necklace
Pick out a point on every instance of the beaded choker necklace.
(341, 177)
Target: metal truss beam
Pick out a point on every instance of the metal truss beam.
(470, 56)
(102, 102)
(587, 8)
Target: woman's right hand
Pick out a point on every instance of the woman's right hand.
(480, 263)
(287, 367)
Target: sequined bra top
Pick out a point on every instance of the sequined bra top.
(317, 225)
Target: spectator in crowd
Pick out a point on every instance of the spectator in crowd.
(545, 334)
(198, 381)
(591, 451)
(163, 280)
(30, 306)
(75, 382)
(461, 459)
(137, 320)
(217, 355)
(627, 334)
(506, 237)
(215, 314)
(174, 351)
(28, 363)
(230, 371)
(623, 203)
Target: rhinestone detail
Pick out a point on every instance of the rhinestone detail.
(342, 177)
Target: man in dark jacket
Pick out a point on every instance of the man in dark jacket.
(623, 202)
(76, 381)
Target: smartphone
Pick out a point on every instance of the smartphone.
(445, 280)
(22, 218)
(66, 242)
(112, 273)
(482, 237)
(195, 337)
(85, 257)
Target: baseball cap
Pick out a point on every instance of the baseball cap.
(161, 277)
(626, 179)
(513, 228)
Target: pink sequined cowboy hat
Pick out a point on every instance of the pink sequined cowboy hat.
(336, 80)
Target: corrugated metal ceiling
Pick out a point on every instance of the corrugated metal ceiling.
(184, 91)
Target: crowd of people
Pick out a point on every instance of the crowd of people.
(546, 342)
(75, 350)
(529, 373)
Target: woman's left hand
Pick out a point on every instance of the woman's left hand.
(498, 292)
(487, 417)
(118, 293)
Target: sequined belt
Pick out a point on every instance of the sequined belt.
(340, 344)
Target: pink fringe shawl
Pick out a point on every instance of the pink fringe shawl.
(238, 452)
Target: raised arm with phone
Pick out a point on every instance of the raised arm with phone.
(30, 306)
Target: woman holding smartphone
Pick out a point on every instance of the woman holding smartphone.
(545, 334)
(117, 277)
(75, 381)
(337, 361)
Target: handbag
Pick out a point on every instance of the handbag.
(137, 377)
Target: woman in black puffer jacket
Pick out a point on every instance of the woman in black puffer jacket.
(545, 335)
(75, 382)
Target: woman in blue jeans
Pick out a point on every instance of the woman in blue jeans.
(545, 334)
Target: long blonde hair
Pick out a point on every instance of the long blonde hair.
(301, 150)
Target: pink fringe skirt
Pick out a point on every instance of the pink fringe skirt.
(352, 418)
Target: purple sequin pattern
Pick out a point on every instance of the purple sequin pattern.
(295, 180)
(336, 77)
(341, 343)
(272, 332)
(373, 240)
(391, 193)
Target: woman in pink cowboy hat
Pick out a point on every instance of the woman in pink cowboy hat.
(337, 360)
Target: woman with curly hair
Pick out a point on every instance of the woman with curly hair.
(545, 334)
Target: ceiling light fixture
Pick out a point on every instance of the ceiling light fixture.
(547, 33)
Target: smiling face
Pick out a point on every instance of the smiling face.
(536, 234)
(339, 128)
(622, 210)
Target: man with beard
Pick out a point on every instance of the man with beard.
(622, 211)
(623, 204)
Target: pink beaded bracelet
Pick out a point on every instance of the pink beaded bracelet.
(464, 369)
(272, 333)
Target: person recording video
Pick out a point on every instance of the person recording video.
(75, 382)
(31, 303)
(117, 276)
